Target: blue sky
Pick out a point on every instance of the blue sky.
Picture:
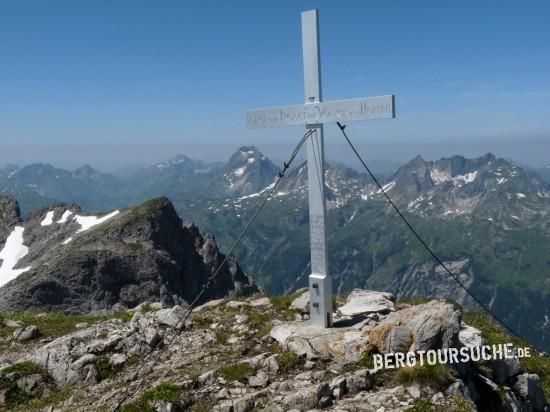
(128, 81)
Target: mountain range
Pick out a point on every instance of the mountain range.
(487, 218)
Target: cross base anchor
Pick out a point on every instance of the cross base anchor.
(320, 300)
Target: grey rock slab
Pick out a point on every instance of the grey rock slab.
(30, 382)
(469, 336)
(117, 359)
(362, 301)
(170, 317)
(503, 369)
(25, 334)
(301, 303)
(359, 381)
(259, 380)
(528, 388)
(8, 323)
(236, 304)
(146, 327)
(414, 391)
(344, 343)
(207, 378)
(260, 302)
(210, 304)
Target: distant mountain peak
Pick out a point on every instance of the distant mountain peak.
(85, 171)
(246, 155)
(248, 171)
(178, 159)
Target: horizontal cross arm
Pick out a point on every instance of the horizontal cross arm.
(368, 108)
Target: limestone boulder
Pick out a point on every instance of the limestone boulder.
(432, 325)
(344, 344)
(469, 336)
(363, 302)
(25, 334)
(301, 303)
(171, 317)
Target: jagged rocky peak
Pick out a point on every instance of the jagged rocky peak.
(248, 171)
(85, 171)
(79, 263)
(9, 214)
(454, 171)
(245, 155)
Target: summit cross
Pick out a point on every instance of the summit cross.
(313, 114)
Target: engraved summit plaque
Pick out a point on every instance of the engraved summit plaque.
(368, 108)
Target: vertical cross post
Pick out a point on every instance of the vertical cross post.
(320, 283)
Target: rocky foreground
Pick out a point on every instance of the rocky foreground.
(259, 354)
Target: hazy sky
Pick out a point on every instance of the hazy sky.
(120, 82)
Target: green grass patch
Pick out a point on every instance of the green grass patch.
(459, 404)
(54, 398)
(25, 368)
(424, 405)
(289, 361)
(417, 300)
(17, 399)
(437, 376)
(165, 392)
(258, 320)
(338, 301)
(105, 369)
(236, 372)
(222, 337)
(491, 332)
(494, 334)
(282, 304)
(55, 324)
(135, 247)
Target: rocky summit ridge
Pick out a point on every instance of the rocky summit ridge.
(260, 354)
(62, 259)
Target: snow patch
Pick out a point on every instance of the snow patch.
(48, 219)
(239, 171)
(67, 240)
(65, 216)
(520, 195)
(387, 187)
(87, 222)
(441, 176)
(467, 178)
(13, 251)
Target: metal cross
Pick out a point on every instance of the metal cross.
(313, 114)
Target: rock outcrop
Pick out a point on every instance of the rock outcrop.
(224, 361)
(432, 325)
(78, 264)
